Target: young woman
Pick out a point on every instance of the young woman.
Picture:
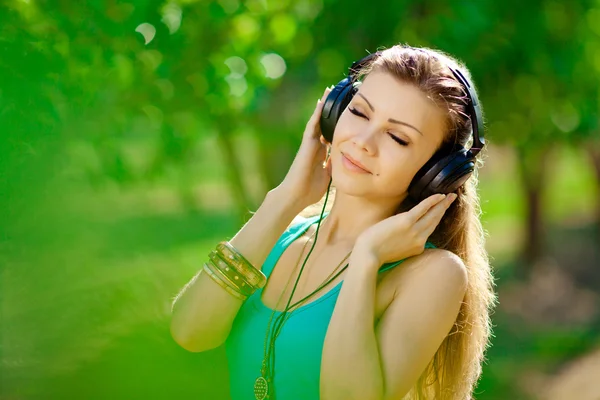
(315, 305)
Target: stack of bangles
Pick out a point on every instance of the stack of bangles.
(230, 270)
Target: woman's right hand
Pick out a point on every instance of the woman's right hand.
(307, 180)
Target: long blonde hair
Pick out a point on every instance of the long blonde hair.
(454, 370)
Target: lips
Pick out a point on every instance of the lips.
(355, 162)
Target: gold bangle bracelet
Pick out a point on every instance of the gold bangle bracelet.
(223, 284)
(248, 273)
(224, 278)
(233, 274)
(235, 251)
(251, 276)
(233, 278)
(232, 256)
(236, 260)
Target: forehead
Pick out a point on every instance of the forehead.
(393, 98)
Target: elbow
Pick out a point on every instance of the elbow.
(196, 344)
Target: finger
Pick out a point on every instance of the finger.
(321, 101)
(440, 207)
(326, 93)
(432, 218)
(319, 107)
(313, 128)
(421, 209)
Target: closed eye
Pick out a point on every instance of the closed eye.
(398, 140)
(356, 112)
(361, 115)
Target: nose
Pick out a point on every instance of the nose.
(364, 139)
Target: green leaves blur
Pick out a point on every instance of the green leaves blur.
(99, 100)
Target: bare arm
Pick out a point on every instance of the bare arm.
(383, 361)
(203, 312)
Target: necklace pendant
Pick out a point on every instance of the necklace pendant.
(261, 388)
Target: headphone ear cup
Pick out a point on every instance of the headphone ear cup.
(336, 102)
(442, 174)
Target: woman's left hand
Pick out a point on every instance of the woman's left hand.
(404, 235)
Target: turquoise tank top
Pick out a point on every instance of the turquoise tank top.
(299, 345)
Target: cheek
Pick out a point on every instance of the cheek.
(344, 126)
(398, 167)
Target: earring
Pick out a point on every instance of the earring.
(327, 157)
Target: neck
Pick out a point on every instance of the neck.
(350, 216)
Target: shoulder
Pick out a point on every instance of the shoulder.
(441, 258)
(434, 269)
(442, 265)
(423, 311)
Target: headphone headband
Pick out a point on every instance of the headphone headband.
(358, 65)
(473, 110)
(446, 171)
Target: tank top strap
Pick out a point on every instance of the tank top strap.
(288, 236)
(387, 266)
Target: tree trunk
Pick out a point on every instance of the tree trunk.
(276, 156)
(532, 168)
(594, 153)
(242, 202)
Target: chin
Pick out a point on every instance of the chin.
(352, 186)
(365, 187)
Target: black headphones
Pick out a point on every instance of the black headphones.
(446, 171)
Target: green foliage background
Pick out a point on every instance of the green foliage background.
(135, 135)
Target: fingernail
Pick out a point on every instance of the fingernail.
(453, 197)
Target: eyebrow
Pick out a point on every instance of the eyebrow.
(395, 121)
